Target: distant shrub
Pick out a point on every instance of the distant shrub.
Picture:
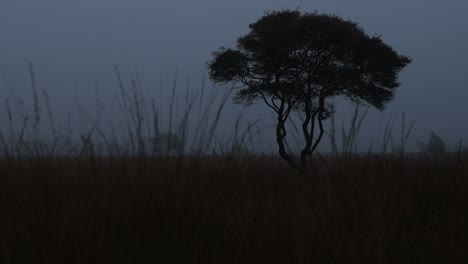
(169, 143)
(434, 146)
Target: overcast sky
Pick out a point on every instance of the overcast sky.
(73, 44)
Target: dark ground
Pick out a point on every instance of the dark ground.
(374, 209)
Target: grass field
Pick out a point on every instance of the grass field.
(366, 209)
(217, 202)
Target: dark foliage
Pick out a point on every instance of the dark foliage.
(296, 61)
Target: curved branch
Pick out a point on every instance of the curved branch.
(320, 122)
(271, 105)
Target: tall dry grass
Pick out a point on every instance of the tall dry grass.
(369, 209)
(209, 202)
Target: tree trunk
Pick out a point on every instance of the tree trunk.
(281, 135)
(309, 134)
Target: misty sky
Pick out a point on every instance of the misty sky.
(73, 45)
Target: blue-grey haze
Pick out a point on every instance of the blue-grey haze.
(73, 45)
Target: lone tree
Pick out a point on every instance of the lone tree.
(295, 61)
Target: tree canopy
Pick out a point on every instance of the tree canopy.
(295, 61)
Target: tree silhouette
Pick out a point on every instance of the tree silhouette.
(295, 61)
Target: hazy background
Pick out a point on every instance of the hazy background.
(73, 45)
